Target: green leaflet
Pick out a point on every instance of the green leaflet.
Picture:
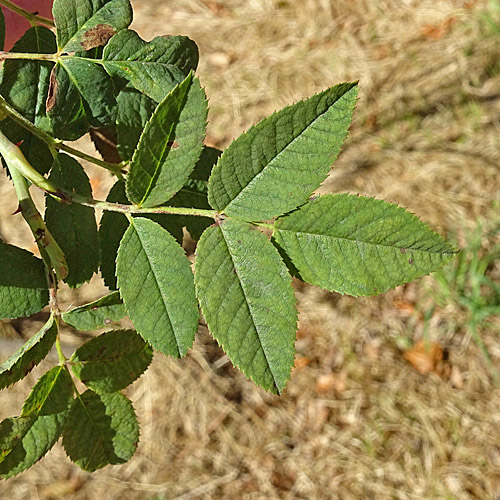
(101, 312)
(112, 361)
(25, 86)
(247, 299)
(85, 24)
(17, 366)
(113, 226)
(154, 67)
(101, 429)
(278, 163)
(26, 439)
(81, 95)
(359, 245)
(134, 110)
(73, 226)
(157, 287)
(194, 193)
(170, 145)
(23, 285)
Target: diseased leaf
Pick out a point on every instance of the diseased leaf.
(72, 225)
(246, 296)
(102, 429)
(26, 439)
(81, 95)
(134, 110)
(359, 245)
(112, 361)
(278, 163)
(101, 312)
(24, 86)
(194, 192)
(157, 287)
(17, 366)
(154, 67)
(85, 24)
(170, 145)
(23, 284)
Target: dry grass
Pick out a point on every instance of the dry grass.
(356, 422)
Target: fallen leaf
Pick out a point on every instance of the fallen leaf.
(425, 357)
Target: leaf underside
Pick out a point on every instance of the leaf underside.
(278, 163)
(359, 245)
(157, 287)
(247, 299)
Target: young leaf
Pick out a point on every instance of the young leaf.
(24, 86)
(157, 287)
(17, 366)
(112, 361)
(134, 110)
(194, 192)
(170, 145)
(23, 284)
(359, 245)
(247, 299)
(101, 429)
(81, 95)
(154, 67)
(278, 163)
(26, 439)
(113, 226)
(85, 24)
(101, 312)
(73, 226)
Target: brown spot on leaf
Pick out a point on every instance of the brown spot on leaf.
(51, 95)
(173, 144)
(95, 37)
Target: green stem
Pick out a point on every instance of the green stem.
(116, 168)
(26, 55)
(50, 251)
(32, 18)
(60, 354)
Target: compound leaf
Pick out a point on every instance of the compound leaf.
(134, 110)
(101, 429)
(101, 312)
(247, 299)
(26, 439)
(72, 225)
(278, 163)
(170, 145)
(17, 366)
(112, 361)
(24, 86)
(157, 287)
(23, 284)
(359, 245)
(154, 67)
(85, 24)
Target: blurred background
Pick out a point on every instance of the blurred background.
(391, 397)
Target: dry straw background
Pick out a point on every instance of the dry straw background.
(356, 421)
